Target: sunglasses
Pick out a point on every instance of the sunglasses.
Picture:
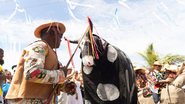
(158, 65)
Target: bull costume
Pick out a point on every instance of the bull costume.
(108, 74)
(111, 79)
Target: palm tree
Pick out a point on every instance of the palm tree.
(149, 55)
(173, 59)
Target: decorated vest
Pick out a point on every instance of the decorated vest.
(22, 88)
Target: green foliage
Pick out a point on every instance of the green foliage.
(149, 55)
(173, 59)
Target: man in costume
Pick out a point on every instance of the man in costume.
(38, 69)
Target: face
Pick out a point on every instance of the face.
(8, 75)
(90, 54)
(69, 71)
(57, 36)
(1, 54)
(157, 67)
(86, 52)
(53, 36)
(1, 57)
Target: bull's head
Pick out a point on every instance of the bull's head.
(90, 50)
(86, 52)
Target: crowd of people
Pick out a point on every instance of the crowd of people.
(161, 84)
(63, 98)
(5, 79)
(39, 77)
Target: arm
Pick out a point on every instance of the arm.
(34, 65)
(168, 80)
(71, 41)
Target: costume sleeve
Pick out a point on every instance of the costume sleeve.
(34, 65)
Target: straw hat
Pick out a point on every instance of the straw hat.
(59, 25)
(172, 68)
(139, 68)
(157, 63)
(143, 69)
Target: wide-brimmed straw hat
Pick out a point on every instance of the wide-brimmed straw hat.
(59, 25)
(157, 63)
(143, 69)
(139, 68)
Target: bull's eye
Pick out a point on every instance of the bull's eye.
(81, 45)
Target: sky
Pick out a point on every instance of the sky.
(130, 25)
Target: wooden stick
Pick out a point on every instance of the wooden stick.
(57, 85)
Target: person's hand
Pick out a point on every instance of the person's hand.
(64, 69)
(70, 87)
(156, 82)
(70, 73)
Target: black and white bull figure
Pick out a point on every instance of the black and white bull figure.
(110, 79)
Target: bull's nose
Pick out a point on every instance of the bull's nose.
(89, 63)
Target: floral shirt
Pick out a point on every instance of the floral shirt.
(154, 77)
(34, 65)
(34, 68)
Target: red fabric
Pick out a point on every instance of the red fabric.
(157, 86)
(91, 38)
(70, 54)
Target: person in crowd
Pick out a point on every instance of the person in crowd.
(6, 85)
(173, 92)
(62, 98)
(141, 79)
(38, 70)
(1, 56)
(180, 79)
(154, 77)
(144, 93)
(2, 76)
(169, 75)
(77, 97)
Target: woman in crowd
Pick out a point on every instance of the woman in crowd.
(144, 93)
